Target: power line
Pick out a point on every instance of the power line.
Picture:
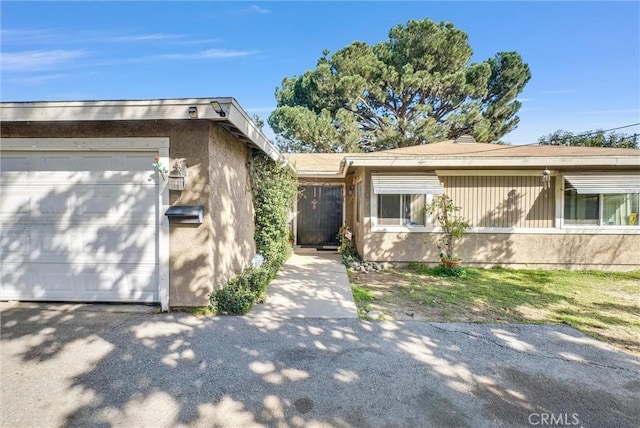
(601, 131)
(537, 143)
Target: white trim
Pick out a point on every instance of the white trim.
(492, 173)
(159, 145)
(558, 220)
(560, 195)
(163, 109)
(471, 161)
(111, 110)
(164, 249)
(610, 230)
(84, 144)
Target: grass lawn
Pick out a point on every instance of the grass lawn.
(605, 305)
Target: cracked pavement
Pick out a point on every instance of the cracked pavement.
(78, 365)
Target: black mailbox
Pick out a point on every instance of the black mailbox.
(185, 214)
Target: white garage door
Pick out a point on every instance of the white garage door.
(79, 226)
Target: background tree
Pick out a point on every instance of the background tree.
(598, 138)
(255, 117)
(415, 88)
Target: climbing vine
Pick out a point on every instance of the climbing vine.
(274, 187)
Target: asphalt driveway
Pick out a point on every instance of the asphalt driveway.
(78, 365)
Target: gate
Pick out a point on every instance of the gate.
(319, 216)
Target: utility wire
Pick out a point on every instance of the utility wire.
(601, 131)
(537, 143)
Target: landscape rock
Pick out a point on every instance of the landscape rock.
(374, 314)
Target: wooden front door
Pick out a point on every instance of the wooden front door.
(319, 216)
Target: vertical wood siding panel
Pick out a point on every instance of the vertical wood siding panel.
(509, 196)
(490, 201)
(485, 200)
(525, 194)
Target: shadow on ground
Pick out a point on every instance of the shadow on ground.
(74, 365)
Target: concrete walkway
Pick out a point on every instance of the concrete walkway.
(309, 285)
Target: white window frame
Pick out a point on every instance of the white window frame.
(376, 227)
(559, 227)
(590, 228)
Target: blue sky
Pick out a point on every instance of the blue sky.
(584, 56)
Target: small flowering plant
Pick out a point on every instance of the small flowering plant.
(257, 261)
(159, 166)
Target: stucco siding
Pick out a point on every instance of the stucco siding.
(360, 230)
(202, 256)
(230, 205)
(554, 250)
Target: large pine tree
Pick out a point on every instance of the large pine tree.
(417, 87)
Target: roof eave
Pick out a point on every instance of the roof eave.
(235, 119)
(471, 161)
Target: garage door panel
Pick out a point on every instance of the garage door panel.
(49, 281)
(92, 244)
(14, 244)
(80, 204)
(79, 226)
(68, 180)
(12, 162)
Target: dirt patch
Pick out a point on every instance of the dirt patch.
(604, 308)
(398, 297)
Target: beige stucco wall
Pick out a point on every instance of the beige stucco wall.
(202, 256)
(230, 206)
(557, 250)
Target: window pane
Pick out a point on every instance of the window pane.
(389, 210)
(620, 209)
(414, 211)
(580, 209)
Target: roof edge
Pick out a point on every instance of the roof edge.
(144, 109)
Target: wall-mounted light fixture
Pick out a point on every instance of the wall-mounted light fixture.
(351, 188)
(218, 108)
(546, 179)
(193, 112)
(177, 175)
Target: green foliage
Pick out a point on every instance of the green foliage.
(257, 120)
(235, 298)
(452, 223)
(597, 138)
(440, 270)
(361, 294)
(349, 254)
(417, 87)
(347, 250)
(450, 271)
(274, 186)
(274, 189)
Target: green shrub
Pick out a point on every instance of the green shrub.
(274, 188)
(440, 270)
(347, 250)
(235, 298)
(349, 254)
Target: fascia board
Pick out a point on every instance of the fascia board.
(109, 110)
(241, 121)
(170, 109)
(471, 161)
